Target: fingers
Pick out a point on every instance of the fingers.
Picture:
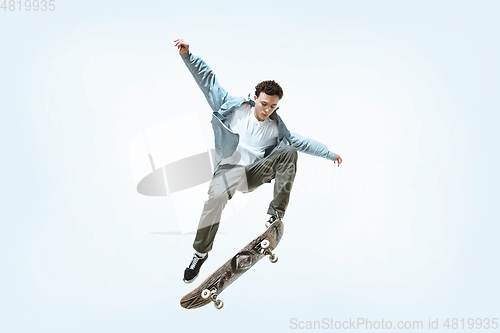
(180, 41)
(182, 46)
(338, 160)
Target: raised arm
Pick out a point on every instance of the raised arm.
(204, 76)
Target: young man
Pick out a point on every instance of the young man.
(252, 147)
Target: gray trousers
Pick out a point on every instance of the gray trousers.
(281, 165)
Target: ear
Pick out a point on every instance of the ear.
(255, 97)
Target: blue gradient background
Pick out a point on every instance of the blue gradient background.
(406, 229)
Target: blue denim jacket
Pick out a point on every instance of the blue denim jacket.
(223, 106)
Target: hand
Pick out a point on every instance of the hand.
(182, 46)
(337, 159)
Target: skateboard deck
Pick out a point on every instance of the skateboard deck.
(210, 289)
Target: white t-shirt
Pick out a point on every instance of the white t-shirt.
(255, 135)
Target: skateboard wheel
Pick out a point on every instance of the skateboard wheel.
(273, 258)
(265, 244)
(218, 304)
(205, 294)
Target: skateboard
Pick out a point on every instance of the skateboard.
(210, 289)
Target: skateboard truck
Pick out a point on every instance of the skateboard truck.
(212, 295)
(266, 251)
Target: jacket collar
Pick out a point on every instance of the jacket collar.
(251, 101)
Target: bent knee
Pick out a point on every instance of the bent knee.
(291, 150)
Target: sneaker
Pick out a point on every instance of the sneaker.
(191, 272)
(271, 220)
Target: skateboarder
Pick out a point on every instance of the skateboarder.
(252, 147)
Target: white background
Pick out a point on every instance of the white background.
(406, 228)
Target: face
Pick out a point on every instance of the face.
(265, 105)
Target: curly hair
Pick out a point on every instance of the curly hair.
(269, 87)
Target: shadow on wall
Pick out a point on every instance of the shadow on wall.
(171, 161)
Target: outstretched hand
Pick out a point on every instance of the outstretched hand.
(182, 46)
(338, 159)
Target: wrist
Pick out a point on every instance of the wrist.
(332, 156)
